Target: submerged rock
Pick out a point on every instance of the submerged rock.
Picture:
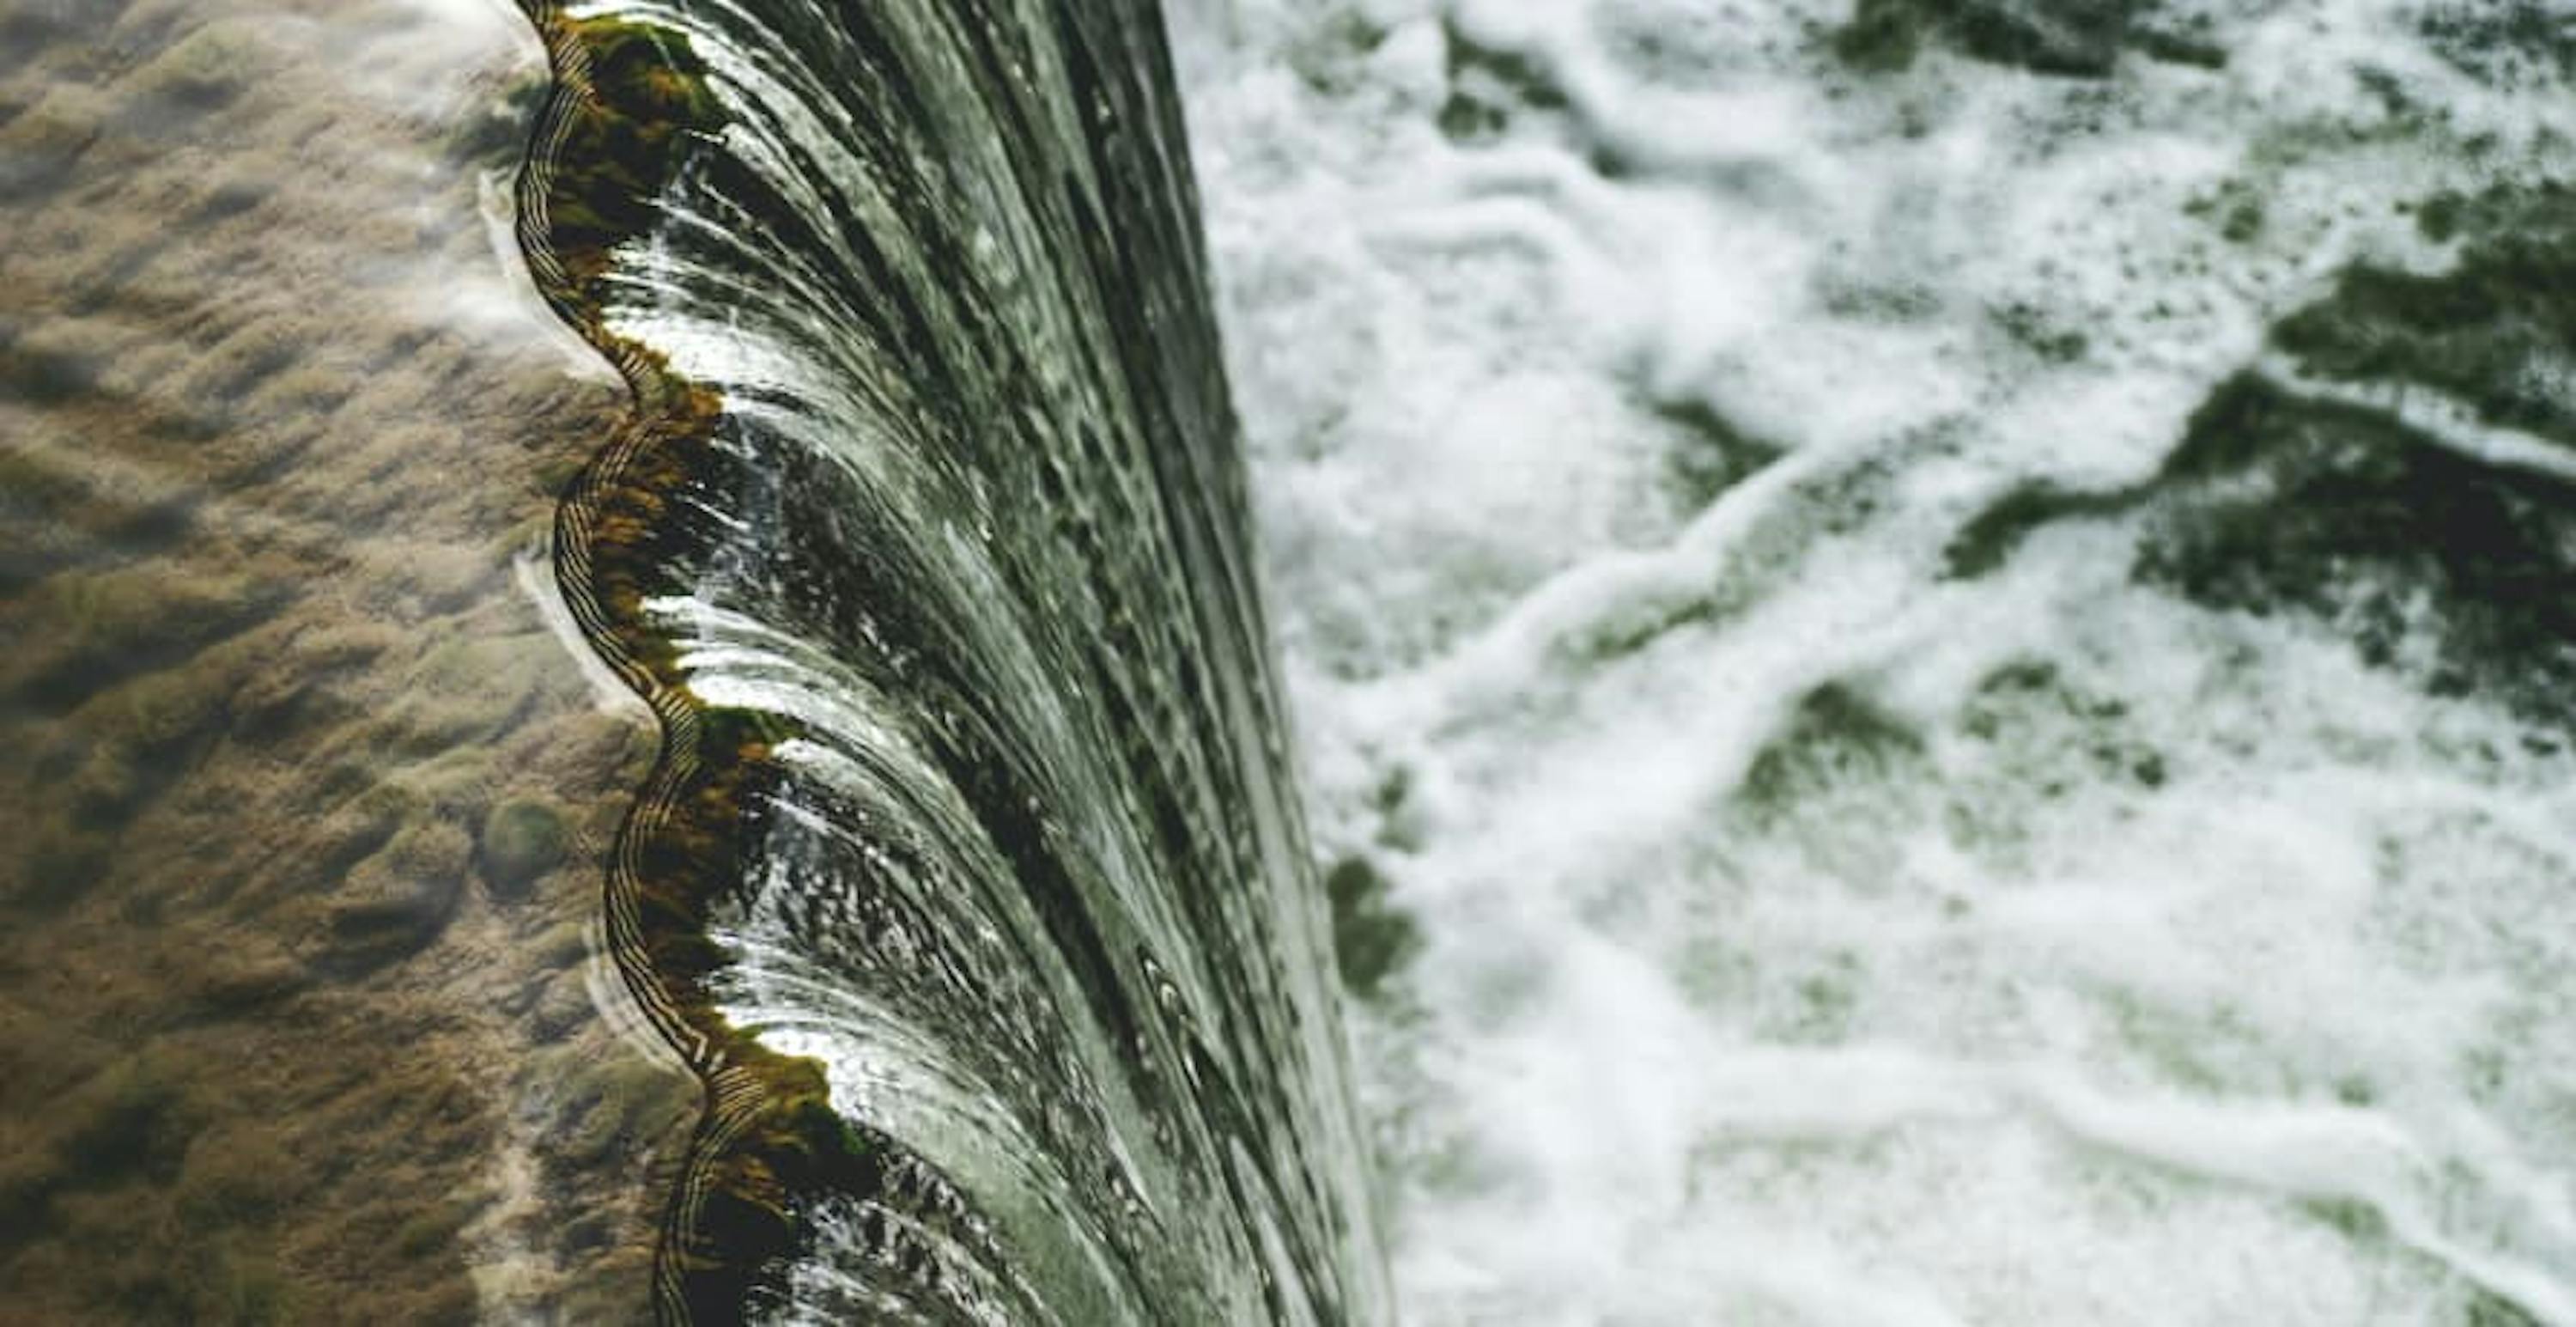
(522, 839)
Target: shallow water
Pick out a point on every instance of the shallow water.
(1929, 642)
(302, 797)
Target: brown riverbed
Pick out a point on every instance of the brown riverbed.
(300, 1018)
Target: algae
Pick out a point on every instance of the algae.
(2492, 331)
(2276, 502)
(1372, 939)
(2063, 38)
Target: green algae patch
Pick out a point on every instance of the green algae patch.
(2364, 520)
(2064, 38)
(2493, 331)
(2501, 41)
(2281, 503)
(2277, 501)
(1991, 536)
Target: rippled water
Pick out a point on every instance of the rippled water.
(301, 802)
(1931, 642)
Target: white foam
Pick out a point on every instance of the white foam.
(1986, 1025)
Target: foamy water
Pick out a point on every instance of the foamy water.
(1806, 935)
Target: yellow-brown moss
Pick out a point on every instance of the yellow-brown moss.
(631, 100)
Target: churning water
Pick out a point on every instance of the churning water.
(1950, 622)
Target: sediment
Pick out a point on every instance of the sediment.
(299, 945)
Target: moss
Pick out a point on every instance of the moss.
(750, 1197)
(637, 101)
(625, 141)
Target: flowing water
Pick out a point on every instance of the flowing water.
(1030, 885)
(1927, 649)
